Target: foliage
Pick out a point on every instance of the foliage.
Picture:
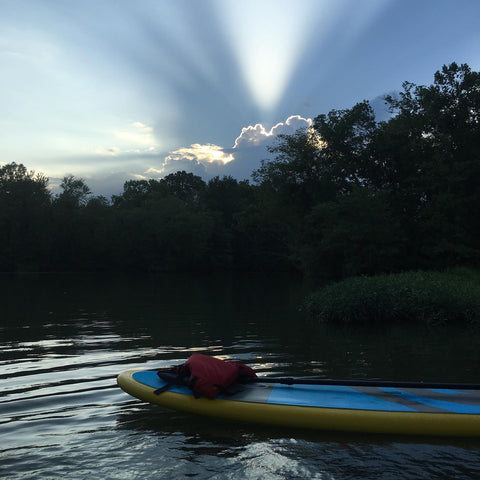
(24, 214)
(354, 234)
(185, 186)
(75, 192)
(369, 197)
(348, 196)
(432, 298)
(17, 184)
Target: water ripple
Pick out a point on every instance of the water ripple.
(62, 415)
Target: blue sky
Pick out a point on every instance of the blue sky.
(110, 90)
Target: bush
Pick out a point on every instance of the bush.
(432, 298)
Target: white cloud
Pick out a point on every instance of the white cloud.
(140, 134)
(142, 126)
(137, 176)
(258, 135)
(204, 154)
(138, 138)
(250, 147)
(112, 151)
(137, 161)
(252, 135)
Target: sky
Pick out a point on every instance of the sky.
(113, 90)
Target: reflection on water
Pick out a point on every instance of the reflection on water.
(64, 338)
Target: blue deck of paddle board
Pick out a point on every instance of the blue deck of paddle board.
(330, 396)
(444, 404)
(344, 397)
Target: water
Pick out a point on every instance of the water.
(64, 338)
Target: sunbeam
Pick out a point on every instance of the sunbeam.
(268, 39)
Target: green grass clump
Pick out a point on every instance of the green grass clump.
(433, 298)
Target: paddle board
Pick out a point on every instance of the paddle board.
(369, 409)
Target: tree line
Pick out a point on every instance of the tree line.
(348, 196)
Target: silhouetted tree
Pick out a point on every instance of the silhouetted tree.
(416, 173)
(75, 192)
(22, 187)
(137, 193)
(24, 217)
(185, 186)
(436, 130)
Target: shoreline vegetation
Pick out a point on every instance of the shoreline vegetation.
(350, 197)
(429, 298)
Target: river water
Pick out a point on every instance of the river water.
(64, 338)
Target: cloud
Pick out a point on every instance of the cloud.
(171, 166)
(142, 126)
(203, 154)
(140, 134)
(380, 106)
(140, 160)
(239, 161)
(112, 151)
(138, 138)
(258, 135)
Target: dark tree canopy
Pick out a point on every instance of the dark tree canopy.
(347, 196)
(24, 212)
(17, 184)
(185, 186)
(75, 192)
(419, 171)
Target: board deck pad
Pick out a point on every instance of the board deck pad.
(388, 399)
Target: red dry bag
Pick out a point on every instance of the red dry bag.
(209, 376)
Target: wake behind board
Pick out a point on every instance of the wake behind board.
(369, 409)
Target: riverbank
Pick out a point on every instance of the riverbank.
(431, 298)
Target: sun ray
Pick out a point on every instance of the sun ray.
(268, 39)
